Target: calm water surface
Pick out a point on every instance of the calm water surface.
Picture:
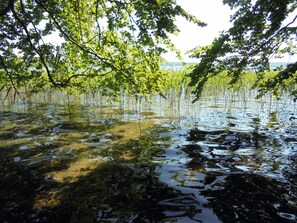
(226, 158)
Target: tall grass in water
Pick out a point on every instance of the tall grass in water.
(176, 88)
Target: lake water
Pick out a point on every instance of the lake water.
(226, 158)
(178, 65)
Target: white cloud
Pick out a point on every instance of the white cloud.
(212, 12)
(217, 16)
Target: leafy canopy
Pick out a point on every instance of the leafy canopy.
(105, 43)
(261, 29)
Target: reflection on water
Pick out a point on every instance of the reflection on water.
(227, 158)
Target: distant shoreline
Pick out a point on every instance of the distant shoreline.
(176, 65)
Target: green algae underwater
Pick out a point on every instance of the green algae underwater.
(226, 158)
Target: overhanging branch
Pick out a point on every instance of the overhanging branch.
(42, 59)
(9, 7)
(105, 61)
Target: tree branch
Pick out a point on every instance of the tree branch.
(85, 75)
(10, 78)
(83, 48)
(104, 60)
(98, 25)
(42, 59)
(9, 7)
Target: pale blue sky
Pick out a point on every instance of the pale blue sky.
(217, 16)
(212, 12)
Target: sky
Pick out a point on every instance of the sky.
(217, 16)
(212, 12)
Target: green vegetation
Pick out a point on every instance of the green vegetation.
(261, 29)
(106, 45)
(114, 47)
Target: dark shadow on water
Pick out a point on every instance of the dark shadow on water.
(245, 180)
(250, 198)
(113, 192)
(223, 175)
(119, 193)
(123, 188)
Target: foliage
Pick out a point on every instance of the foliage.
(261, 29)
(220, 82)
(110, 44)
